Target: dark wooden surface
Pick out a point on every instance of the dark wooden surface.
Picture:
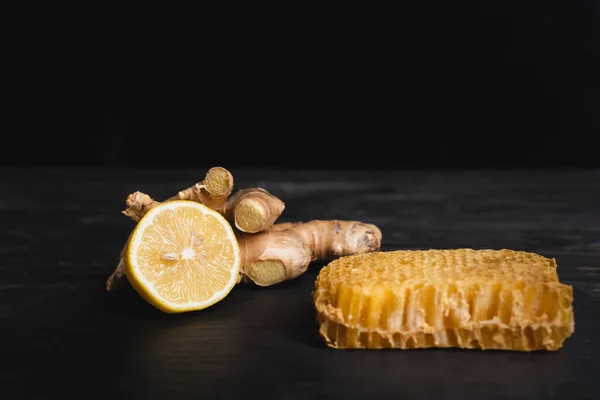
(64, 335)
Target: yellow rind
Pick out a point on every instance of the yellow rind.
(144, 292)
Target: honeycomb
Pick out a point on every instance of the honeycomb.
(463, 298)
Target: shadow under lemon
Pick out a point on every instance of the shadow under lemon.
(252, 329)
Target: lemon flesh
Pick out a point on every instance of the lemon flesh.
(182, 256)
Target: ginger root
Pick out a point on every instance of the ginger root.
(213, 191)
(286, 250)
(271, 253)
(138, 204)
(117, 279)
(252, 210)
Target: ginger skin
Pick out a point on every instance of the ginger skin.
(252, 210)
(213, 191)
(271, 253)
(286, 250)
(138, 204)
(117, 279)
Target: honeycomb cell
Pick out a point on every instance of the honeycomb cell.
(464, 298)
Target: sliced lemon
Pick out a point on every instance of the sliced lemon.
(182, 256)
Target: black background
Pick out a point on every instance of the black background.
(472, 85)
(433, 85)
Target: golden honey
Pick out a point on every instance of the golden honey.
(464, 298)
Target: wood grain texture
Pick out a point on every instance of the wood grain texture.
(63, 335)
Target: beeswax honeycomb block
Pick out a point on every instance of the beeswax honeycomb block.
(464, 298)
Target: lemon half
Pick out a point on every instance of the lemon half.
(182, 256)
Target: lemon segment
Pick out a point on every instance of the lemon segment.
(182, 256)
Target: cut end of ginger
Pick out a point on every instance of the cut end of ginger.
(249, 216)
(264, 272)
(464, 298)
(218, 182)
